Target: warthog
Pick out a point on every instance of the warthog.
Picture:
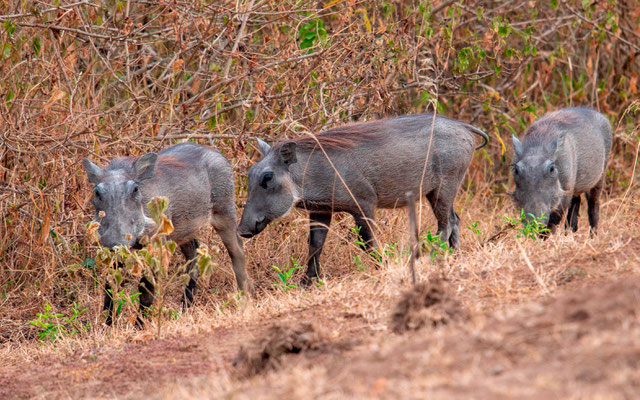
(563, 155)
(359, 167)
(200, 186)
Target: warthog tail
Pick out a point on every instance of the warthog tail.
(485, 137)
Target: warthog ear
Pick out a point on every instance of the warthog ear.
(94, 173)
(144, 166)
(517, 146)
(287, 153)
(555, 145)
(263, 146)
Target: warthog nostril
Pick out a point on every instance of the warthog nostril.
(258, 227)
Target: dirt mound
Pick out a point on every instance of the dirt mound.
(266, 353)
(426, 304)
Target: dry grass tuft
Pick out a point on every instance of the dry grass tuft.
(267, 352)
(427, 304)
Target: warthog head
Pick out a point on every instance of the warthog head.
(118, 200)
(272, 193)
(538, 190)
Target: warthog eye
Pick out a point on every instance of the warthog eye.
(551, 169)
(266, 177)
(135, 190)
(516, 170)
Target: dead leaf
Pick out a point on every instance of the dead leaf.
(166, 227)
(44, 229)
(57, 95)
(177, 64)
(633, 83)
(70, 58)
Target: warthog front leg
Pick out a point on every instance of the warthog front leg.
(146, 290)
(108, 304)
(318, 227)
(227, 229)
(556, 215)
(573, 214)
(189, 251)
(108, 299)
(147, 294)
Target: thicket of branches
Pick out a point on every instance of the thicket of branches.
(105, 78)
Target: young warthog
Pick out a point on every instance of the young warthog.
(563, 154)
(199, 183)
(357, 168)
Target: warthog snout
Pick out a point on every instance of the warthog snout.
(248, 229)
(110, 240)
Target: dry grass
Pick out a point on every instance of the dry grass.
(488, 280)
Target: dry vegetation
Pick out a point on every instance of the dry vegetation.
(100, 79)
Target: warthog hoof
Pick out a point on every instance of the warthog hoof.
(306, 282)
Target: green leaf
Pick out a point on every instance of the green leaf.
(203, 264)
(9, 27)
(74, 267)
(117, 275)
(311, 32)
(6, 51)
(554, 4)
(157, 207)
(184, 279)
(37, 45)
(171, 246)
(9, 97)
